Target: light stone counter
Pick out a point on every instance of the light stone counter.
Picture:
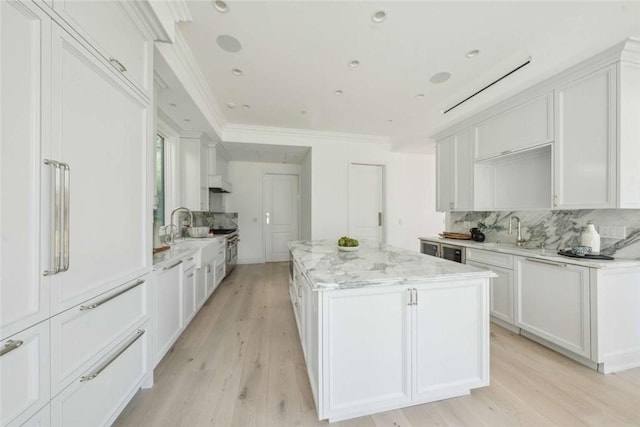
(181, 249)
(328, 268)
(546, 254)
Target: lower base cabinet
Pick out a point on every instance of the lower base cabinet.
(168, 309)
(41, 419)
(24, 374)
(99, 396)
(368, 350)
(554, 303)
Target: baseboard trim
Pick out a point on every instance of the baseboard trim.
(251, 261)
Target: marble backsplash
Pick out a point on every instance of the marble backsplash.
(555, 229)
(216, 219)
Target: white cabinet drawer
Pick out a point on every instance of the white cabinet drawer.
(24, 374)
(85, 332)
(488, 257)
(98, 396)
(111, 30)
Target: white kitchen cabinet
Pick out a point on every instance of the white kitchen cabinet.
(100, 129)
(189, 280)
(193, 169)
(445, 359)
(585, 146)
(523, 126)
(454, 172)
(24, 370)
(168, 309)
(553, 302)
(114, 31)
(502, 297)
(25, 35)
(84, 333)
(366, 373)
(41, 419)
(201, 287)
(410, 358)
(99, 395)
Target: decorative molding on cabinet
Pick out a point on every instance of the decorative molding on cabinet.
(180, 10)
(628, 50)
(146, 19)
(291, 136)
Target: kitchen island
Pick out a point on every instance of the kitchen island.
(384, 328)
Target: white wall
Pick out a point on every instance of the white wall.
(246, 199)
(410, 191)
(306, 171)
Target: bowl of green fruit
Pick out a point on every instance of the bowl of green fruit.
(347, 244)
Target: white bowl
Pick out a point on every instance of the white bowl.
(348, 248)
(198, 231)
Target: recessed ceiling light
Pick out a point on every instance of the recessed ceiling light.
(379, 16)
(236, 72)
(228, 43)
(303, 112)
(420, 96)
(231, 105)
(187, 120)
(338, 92)
(472, 53)
(354, 63)
(221, 6)
(440, 77)
(246, 107)
(172, 105)
(390, 121)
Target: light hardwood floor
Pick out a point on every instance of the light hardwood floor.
(239, 363)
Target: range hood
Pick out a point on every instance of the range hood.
(217, 184)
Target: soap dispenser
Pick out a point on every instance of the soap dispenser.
(590, 237)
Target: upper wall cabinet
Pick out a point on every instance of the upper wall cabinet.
(194, 170)
(454, 168)
(113, 30)
(585, 146)
(521, 127)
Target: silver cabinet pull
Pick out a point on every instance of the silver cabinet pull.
(10, 345)
(190, 276)
(66, 172)
(415, 292)
(110, 297)
(175, 264)
(191, 259)
(506, 152)
(379, 219)
(113, 357)
(118, 65)
(541, 261)
(410, 296)
(57, 208)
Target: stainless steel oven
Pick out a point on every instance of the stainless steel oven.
(443, 250)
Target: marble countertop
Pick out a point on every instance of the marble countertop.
(546, 254)
(328, 268)
(183, 248)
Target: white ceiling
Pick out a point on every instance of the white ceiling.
(295, 54)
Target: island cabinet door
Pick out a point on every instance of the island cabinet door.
(450, 328)
(366, 351)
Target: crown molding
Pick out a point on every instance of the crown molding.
(628, 50)
(166, 121)
(146, 17)
(292, 136)
(193, 134)
(180, 10)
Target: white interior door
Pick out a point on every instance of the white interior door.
(281, 215)
(366, 195)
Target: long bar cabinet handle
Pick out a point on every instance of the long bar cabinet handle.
(66, 172)
(415, 292)
(110, 297)
(410, 296)
(118, 64)
(112, 358)
(57, 207)
(9, 346)
(540, 261)
(175, 264)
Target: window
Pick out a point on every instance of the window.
(158, 205)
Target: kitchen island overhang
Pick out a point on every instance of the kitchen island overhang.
(385, 328)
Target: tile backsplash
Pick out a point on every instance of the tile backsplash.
(555, 229)
(216, 219)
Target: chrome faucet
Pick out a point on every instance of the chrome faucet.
(519, 239)
(175, 227)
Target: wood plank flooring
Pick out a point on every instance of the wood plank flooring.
(239, 363)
